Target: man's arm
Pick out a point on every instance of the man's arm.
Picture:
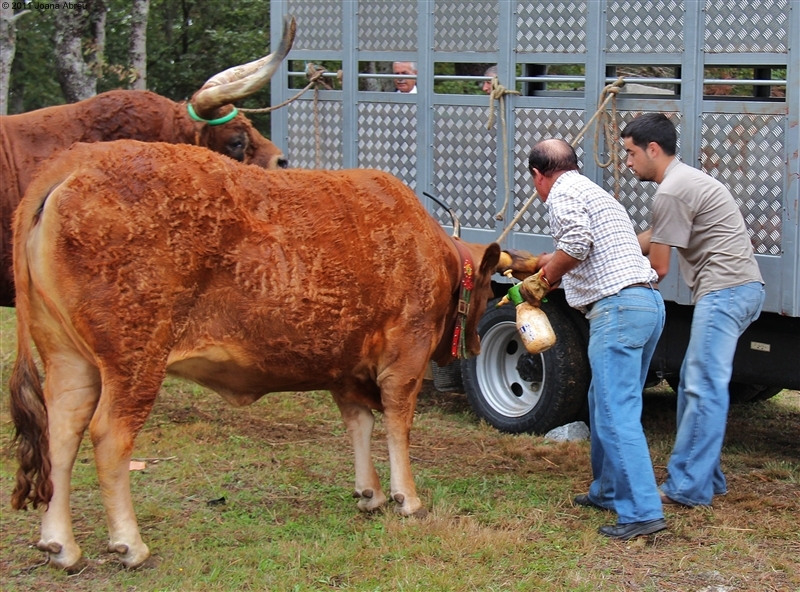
(644, 241)
(536, 287)
(557, 265)
(657, 253)
(659, 259)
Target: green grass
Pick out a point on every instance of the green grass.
(500, 507)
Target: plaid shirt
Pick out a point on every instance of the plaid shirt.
(588, 224)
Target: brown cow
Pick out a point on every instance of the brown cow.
(137, 260)
(30, 138)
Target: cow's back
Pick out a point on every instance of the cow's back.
(240, 274)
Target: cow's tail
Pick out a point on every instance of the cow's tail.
(28, 409)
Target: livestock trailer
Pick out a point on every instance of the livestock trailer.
(726, 72)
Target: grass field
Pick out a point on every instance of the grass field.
(260, 499)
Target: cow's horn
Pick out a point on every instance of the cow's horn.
(242, 81)
(453, 215)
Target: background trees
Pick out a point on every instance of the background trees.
(187, 42)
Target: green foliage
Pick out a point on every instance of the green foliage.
(187, 43)
(33, 83)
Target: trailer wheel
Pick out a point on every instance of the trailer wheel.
(751, 393)
(740, 392)
(517, 392)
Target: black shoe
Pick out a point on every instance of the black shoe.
(624, 532)
(583, 500)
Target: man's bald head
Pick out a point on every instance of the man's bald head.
(552, 156)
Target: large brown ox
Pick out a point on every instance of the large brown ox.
(136, 260)
(30, 138)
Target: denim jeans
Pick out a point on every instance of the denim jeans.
(623, 333)
(720, 318)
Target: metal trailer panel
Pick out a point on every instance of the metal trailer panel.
(439, 143)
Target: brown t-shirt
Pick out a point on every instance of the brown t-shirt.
(697, 215)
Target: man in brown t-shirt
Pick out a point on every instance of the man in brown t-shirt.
(697, 215)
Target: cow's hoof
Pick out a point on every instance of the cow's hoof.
(408, 505)
(66, 557)
(130, 556)
(370, 500)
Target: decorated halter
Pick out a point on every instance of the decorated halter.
(218, 121)
(459, 349)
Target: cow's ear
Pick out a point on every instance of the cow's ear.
(491, 257)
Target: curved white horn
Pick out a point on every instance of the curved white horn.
(242, 81)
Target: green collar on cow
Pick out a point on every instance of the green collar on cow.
(218, 121)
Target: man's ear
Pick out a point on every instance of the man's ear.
(653, 150)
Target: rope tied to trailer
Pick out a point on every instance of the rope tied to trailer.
(314, 75)
(606, 97)
(498, 93)
(606, 133)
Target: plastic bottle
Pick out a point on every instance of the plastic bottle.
(534, 328)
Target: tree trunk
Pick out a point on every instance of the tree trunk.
(137, 49)
(8, 46)
(374, 84)
(76, 75)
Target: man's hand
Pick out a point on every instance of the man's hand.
(534, 288)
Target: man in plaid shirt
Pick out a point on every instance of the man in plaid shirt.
(599, 263)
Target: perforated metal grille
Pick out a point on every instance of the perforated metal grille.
(319, 24)
(376, 32)
(466, 26)
(753, 26)
(644, 26)
(532, 126)
(302, 151)
(636, 196)
(555, 26)
(387, 139)
(745, 153)
(465, 166)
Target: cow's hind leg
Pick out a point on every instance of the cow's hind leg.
(124, 406)
(71, 390)
(359, 421)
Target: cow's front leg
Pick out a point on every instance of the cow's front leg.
(359, 421)
(71, 390)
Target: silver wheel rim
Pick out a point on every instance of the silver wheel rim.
(503, 389)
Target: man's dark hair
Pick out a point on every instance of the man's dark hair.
(552, 156)
(652, 127)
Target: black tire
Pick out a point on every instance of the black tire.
(740, 392)
(517, 392)
(751, 393)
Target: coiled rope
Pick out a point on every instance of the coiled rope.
(609, 130)
(499, 92)
(609, 94)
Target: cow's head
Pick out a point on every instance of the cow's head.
(228, 132)
(481, 293)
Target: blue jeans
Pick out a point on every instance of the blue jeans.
(623, 333)
(719, 319)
